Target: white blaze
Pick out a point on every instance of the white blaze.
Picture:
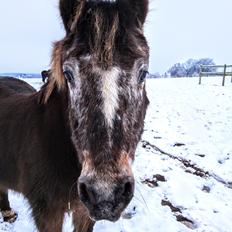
(110, 94)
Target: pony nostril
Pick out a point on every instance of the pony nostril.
(86, 193)
(128, 189)
(83, 192)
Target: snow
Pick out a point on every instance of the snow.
(185, 122)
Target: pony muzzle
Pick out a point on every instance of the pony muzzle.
(105, 200)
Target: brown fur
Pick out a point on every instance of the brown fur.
(11, 85)
(26, 151)
(73, 21)
(81, 219)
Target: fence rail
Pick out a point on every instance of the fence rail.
(216, 66)
(215, 73)
(223, 73)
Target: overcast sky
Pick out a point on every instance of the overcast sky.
(176, 30)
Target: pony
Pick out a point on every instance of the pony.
(45, 75)
(70, 146)
(14, 85)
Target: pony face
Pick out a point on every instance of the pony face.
(103, 61)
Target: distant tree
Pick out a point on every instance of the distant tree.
(166, 75)
(207, 61)
(191, 67)
(177, 70)
(156, 75)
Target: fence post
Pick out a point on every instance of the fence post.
(200, 75)
(224, 76)
(231, 76)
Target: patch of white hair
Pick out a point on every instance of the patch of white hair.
(110, 93)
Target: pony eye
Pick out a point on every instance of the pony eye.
(143, 74)
(69, 75)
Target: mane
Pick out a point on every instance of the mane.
(101, 22)
(56, 77)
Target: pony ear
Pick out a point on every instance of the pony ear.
(67, 11)
(134, 10)
(141, 9)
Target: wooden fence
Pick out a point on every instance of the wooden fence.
(222, 73)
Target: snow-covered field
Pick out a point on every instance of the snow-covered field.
(183, 164)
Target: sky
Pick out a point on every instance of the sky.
(176, 30)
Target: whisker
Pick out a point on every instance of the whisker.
(142, 197)
(69, 195)
(138, 199)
